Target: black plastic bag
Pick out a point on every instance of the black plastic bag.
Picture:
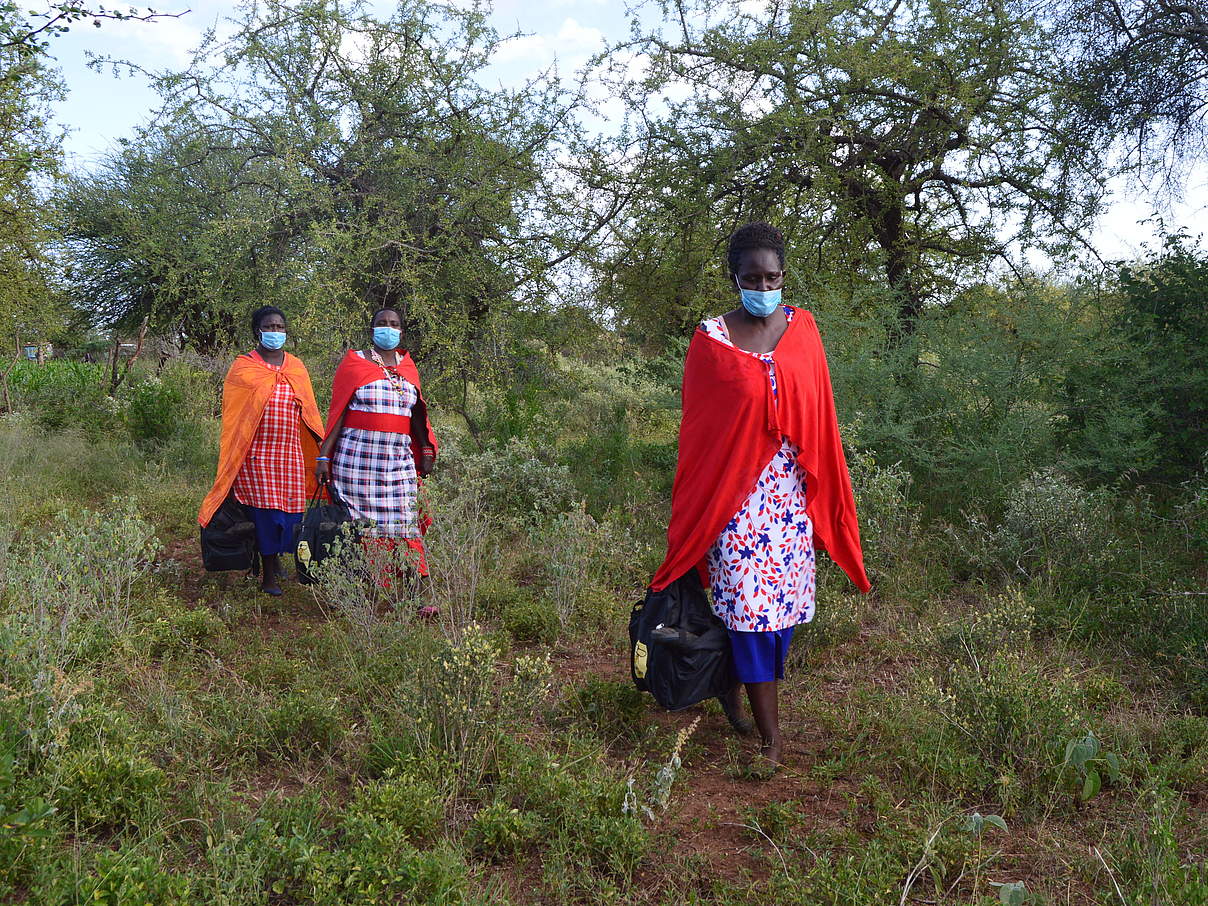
(321, 525)
(679, 650)
(229, 541)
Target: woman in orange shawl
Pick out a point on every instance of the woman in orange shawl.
(271, 429)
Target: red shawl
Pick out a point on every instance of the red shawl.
(355, 372)
(731, 429)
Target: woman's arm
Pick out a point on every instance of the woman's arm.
(420, 441)
(323, 464)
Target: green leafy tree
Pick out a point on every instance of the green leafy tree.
(1140, 403)
(1139, 71)
(337, 162)
(911, 142)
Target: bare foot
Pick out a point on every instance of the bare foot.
(731, 706)
(770, 750)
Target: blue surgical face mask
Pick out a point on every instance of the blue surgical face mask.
(387, 337)
(760, 304)
(272, 339)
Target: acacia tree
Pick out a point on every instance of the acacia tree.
(1139, 70)
(913, 141)
(361, 162)
(29, 150)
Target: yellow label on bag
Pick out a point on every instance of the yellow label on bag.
(303, 552)
(639, 661)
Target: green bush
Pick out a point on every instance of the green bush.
(304, 721)
(125, 878)
(1006, 718)
(1005, 622)
(501, 832)
(109, 789)
(173, 627)
(518, 484)
(1140, 405)
(611, 709)
(404, 800)
(154, 410)
(529, 619)
(373, 863)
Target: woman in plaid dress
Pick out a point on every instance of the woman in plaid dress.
(379, 441)
(265, 456)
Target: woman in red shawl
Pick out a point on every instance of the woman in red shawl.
(379, 439)
(761, 475)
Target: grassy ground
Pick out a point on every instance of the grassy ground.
(975, 731)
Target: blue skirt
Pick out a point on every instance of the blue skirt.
(274, 530)
(759, 656)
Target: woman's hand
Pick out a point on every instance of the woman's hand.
(322, 471)
(427, 462)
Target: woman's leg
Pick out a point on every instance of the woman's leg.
(765, 708)
(731, 706)
(269, 582)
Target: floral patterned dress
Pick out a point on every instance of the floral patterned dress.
(761, 568)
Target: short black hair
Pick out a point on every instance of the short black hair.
(757, 235)
(263, 312)
(378, 311)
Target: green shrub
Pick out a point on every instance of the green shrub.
(1012, 718)
(304, 721)
(517, 483)
(175, 628)
(529, 619)
(109, 789)
(609, 708)
(373, 863)
(154, 410)
(1140, 403)
(501, 832)
(125, 878)
(458, 699)
(1005, 622)
(404, 800)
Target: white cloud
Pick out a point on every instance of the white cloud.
(571, 45)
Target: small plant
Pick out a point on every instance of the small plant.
(499, 831)
(404, 800)
(1085, 756)
(305, 721)
(529, 619)
(154, 410)
(121, 877)
(611, 708)
(664, 779)
(1013, 893)
(109, 789)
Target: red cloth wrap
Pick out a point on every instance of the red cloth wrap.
(355, 372)
(732, 427)
(377, 421)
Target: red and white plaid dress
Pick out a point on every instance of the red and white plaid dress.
(273, 475)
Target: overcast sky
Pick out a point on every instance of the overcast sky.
(99, 108)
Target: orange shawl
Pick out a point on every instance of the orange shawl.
(245, 393)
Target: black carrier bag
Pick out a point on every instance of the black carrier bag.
(229, 541)
(679, 650)
(318, 530)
